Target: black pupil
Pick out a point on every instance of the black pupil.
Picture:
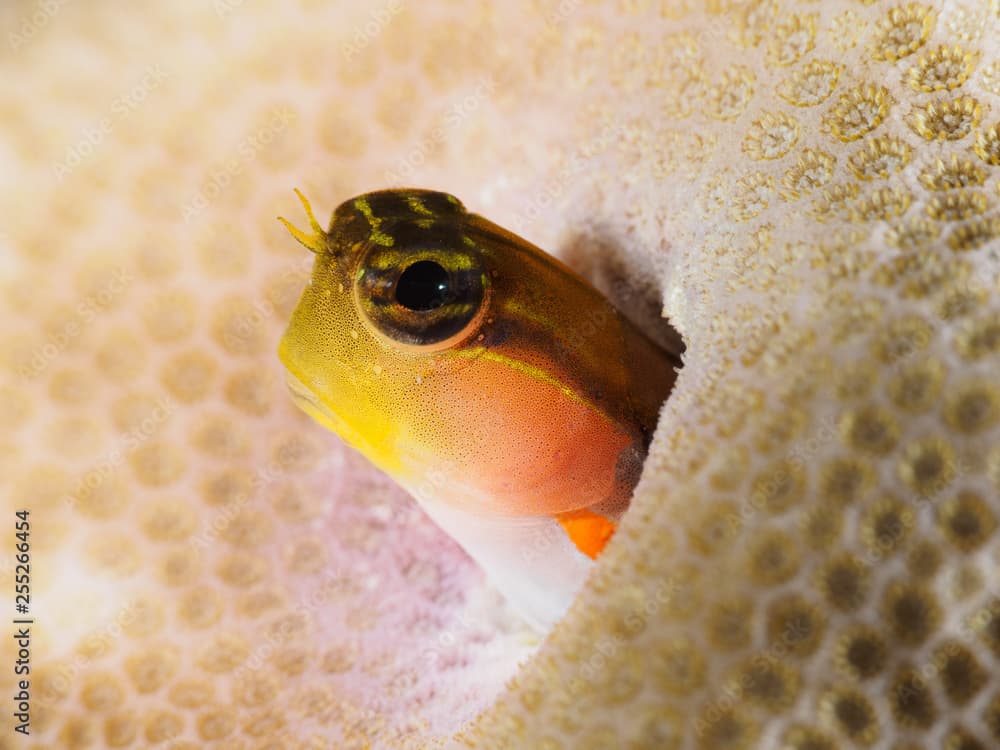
(422, 286)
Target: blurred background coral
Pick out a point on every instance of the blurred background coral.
(807, 190)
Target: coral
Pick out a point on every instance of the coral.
(808, 195)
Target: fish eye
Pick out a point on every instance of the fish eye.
(427, 297)
(422, 286)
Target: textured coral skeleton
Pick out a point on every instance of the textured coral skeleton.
(807, 190)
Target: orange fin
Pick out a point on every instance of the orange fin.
(588, 531)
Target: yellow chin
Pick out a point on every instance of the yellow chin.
(308, 402)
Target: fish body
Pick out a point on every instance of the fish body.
(486, 377)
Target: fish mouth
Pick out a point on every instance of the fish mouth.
(304, 398)
(307, 400)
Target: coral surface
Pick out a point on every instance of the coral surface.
(808, 191)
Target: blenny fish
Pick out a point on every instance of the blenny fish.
(495, 384)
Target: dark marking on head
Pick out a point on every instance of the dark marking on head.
(394, 218)
(496, 333)
(384, 205)
(418, 235)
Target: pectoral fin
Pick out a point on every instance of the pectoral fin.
(589, 531)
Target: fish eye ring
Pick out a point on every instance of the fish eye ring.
(430, 299)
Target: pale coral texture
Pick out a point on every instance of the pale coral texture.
(807, 190)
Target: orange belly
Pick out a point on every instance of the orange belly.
(512, 443)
